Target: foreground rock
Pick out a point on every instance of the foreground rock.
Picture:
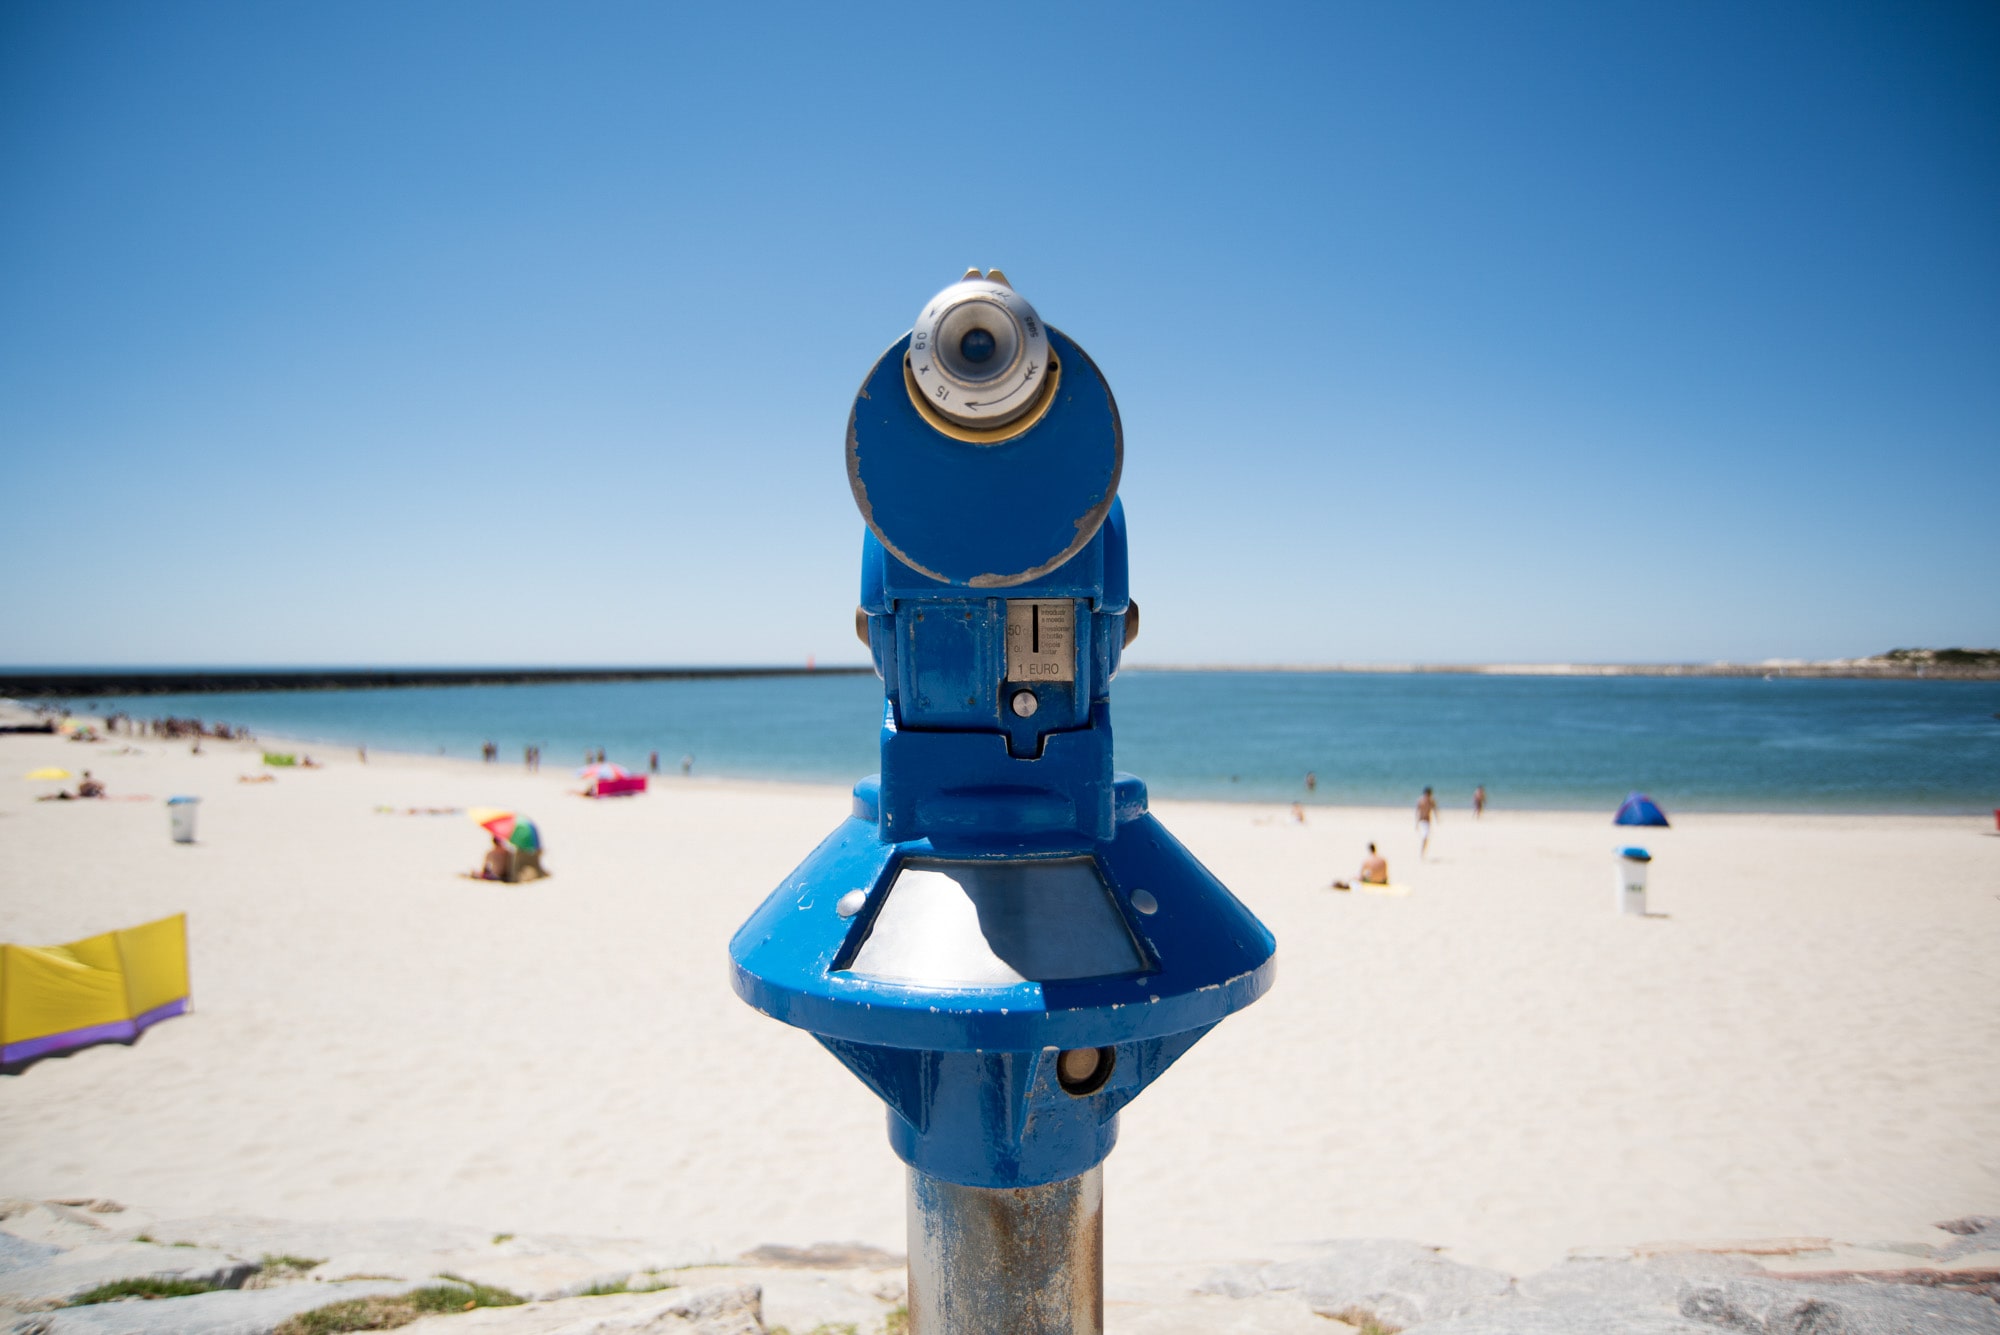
(713, 1309)
(225, 1312)
(1394, 1283)
(1790, 1287)
(70, 1274)
(263, 1272)
(1856, 1308)
(536, 1266)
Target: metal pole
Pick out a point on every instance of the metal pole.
(1012, 1261)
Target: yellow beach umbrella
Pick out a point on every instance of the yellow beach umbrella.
(49, 772)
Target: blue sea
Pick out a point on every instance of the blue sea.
(1712, 744)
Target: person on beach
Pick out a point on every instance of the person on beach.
(1374, 871)
(1427, 812)
(653, 763)
(498, 862)
(687, 766)
(1479, 801)
(1298, 814)
(89, 787)
(1374, 868)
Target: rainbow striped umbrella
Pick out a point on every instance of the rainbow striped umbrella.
(603, 770)
(508, 827)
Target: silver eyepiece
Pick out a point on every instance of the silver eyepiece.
(978, 353)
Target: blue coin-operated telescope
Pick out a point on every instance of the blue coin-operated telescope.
(1000, 941)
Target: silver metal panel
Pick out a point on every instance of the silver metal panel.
(992, 924)
(1041, 639)
(1017, 1261)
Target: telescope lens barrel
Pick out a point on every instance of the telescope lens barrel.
(978, 354)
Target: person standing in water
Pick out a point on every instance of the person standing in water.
(1427, 812)
(1479, 801)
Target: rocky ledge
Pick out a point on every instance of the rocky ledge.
(99, 1268)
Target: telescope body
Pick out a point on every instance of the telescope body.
(1000, 940)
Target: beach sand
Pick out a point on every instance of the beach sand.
(1803, 1044)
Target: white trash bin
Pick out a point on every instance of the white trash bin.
(180, 818)
(1632, 864)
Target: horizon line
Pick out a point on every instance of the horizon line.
(102, 679)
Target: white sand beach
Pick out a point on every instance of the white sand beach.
(1804, 1043)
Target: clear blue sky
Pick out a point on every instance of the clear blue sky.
(485, 332)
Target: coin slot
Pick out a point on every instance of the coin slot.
(1041, 639)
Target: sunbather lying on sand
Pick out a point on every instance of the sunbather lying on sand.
(88, 787)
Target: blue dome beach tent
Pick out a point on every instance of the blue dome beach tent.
(1640, 809)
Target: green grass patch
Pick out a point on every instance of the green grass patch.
(823, 1328)
(499, 1238)
(462, 1294)
(606, 1290)
(898, 1320)
(122, 1289)
(353, 1314)
(286, 1261)
(459, 1295)
(1366, 1322)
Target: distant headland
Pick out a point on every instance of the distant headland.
(84, 683)
(1897, 664)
